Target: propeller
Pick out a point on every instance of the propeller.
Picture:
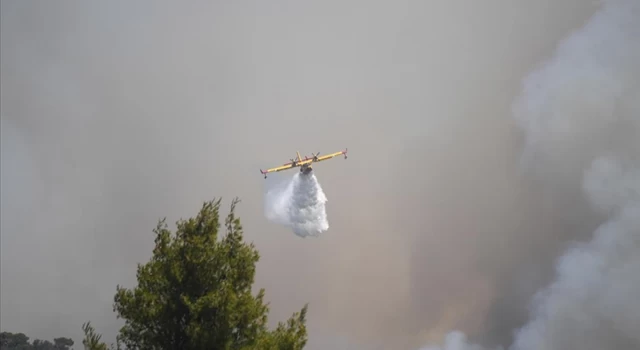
(315, 157)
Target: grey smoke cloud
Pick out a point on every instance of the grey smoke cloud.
(131, 112)
(588, 92)
(580, 113)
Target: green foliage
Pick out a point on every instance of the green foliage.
(19, 341)
(289, 336)
(14, 341)
(62, 343)
(91, 339)
(195, 292)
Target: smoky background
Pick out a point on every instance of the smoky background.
(117, 114)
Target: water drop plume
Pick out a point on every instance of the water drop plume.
(299, 204)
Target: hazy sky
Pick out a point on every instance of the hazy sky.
(115, 114)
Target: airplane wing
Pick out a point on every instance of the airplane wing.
(276, 169)
(329, 156)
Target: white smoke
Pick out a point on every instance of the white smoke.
(581, 116)
(456, 341)
(298, 204)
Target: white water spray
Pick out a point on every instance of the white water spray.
(581, 115)
(298, 204)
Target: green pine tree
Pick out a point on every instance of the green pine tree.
(195, 292)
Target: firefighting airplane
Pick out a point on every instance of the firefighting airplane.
(304, 164)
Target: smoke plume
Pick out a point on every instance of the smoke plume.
(298, 204)
(581, 118)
